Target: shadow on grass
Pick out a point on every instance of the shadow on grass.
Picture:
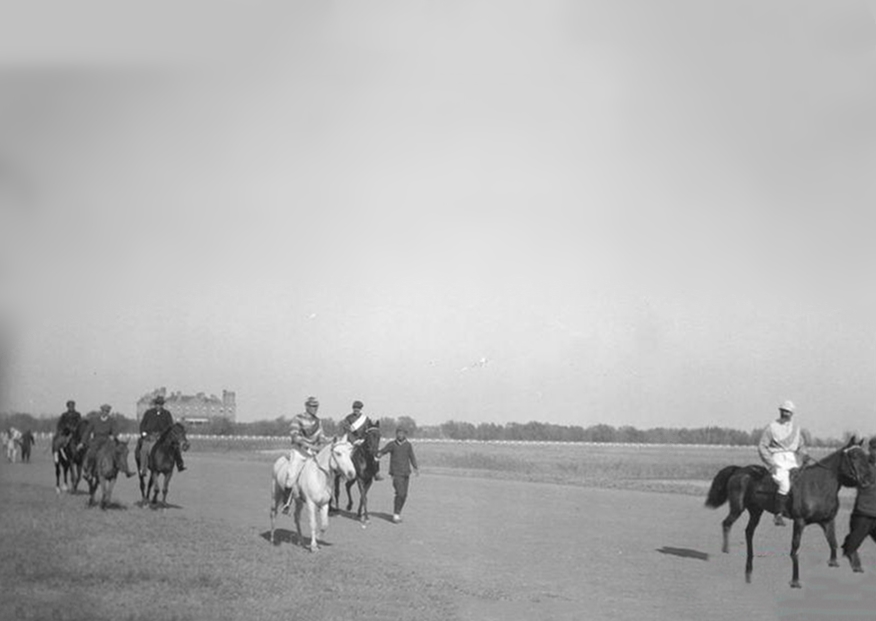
(282, 535)
(155, 506)
(109, 506)
(684, 553)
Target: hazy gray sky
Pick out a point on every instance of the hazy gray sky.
(645, 213)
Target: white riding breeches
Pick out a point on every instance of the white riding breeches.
(782, 465)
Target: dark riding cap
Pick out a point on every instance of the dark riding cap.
(872, 443)
(159, 400)
(106, 407)
(311, 401)
(358, 405)
(71, 402)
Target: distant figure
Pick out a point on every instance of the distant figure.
(779, 446)
(355, 424)
(307, 436)
(27, 441)
(401, 460)
(862, 522)
(156, 420)
(13, 443)
(101, 429)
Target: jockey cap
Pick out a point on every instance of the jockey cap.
(787, 406)
(358, 405)
(311, 401)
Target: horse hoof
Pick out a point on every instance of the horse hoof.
(832, 564)
(858, 570)
(795, 584)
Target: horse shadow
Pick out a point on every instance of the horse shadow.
(109, 506)
(282, 535)
(155, 506)
(351, 515)
(684, 553)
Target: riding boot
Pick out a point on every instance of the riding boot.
(781, 509)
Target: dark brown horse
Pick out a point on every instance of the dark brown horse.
(365, 462)
(162, 459)
(814, 498)
(68, 454)
(110, 459)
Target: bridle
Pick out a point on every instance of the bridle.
(851, 465)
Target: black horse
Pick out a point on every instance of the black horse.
(68, 453)
(110, 458)
(814, 498)
(162, 459)
(365, 461)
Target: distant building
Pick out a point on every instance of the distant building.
(193, 409)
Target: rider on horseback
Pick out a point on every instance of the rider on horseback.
(306, 435)
(780, 444)
(155, 421)
(101, 429)
(355, 424)
(68, 422)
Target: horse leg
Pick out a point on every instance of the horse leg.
(324, 519)
(314, 525)
(799, 525)
(58, 476)
(753, 520)
(107, 498)
(297, 515)
(363, 500)
(75, 475)
(165, 486)
(335, 502)
(829, 529)
(727, 524)
(347, 486)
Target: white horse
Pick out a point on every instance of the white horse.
(314, 486)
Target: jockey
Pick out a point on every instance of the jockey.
(100, 429)
(355, 424)
(155, 421)
(780, 444)
(306, 434)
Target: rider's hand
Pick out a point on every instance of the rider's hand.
(142, 434)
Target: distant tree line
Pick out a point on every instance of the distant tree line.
(458, 430)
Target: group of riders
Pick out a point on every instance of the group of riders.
(92, 433)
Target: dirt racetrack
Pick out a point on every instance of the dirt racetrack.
(523, 551)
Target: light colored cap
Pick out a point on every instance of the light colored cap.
(787, 406)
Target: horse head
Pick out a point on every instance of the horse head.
(120, 456)
(371, 442)
(180, 436)
(175, 435)
(341, 459)
(855, 469)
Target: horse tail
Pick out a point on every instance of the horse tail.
(718, 491)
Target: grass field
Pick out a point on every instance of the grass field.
(61, 560)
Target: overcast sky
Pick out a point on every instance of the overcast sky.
(644, 213)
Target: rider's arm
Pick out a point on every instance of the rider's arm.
(763, 446)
